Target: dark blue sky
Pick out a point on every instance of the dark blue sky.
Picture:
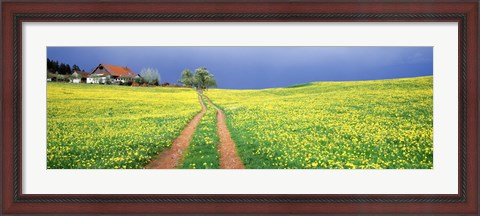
(260, 67)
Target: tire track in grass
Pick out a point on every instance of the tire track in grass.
(202, 152)
(229, 158)
(169, 159)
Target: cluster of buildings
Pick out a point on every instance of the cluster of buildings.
(105, 73)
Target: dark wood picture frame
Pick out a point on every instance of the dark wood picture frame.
(16, 12)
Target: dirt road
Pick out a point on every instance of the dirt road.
(169, 159)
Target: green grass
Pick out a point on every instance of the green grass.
(299, 85)
(202, 152)
(381, 124)
(92, 126)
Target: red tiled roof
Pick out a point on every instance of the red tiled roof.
(118, 71)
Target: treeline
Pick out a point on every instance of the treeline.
(61, 68)
(201, 79)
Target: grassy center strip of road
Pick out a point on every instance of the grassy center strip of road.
(169, 159)
(202, 152)
(229, 158)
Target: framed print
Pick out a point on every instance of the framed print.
(250, 107)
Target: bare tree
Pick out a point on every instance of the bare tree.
(150, 76)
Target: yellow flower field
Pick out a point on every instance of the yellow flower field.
(97, 126)
(384, 124)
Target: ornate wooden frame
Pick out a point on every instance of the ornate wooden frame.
(16, 12)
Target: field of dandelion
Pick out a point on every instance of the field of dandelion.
(383, 124)
(99, 126)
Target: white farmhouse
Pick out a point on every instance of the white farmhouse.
(79, 77)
